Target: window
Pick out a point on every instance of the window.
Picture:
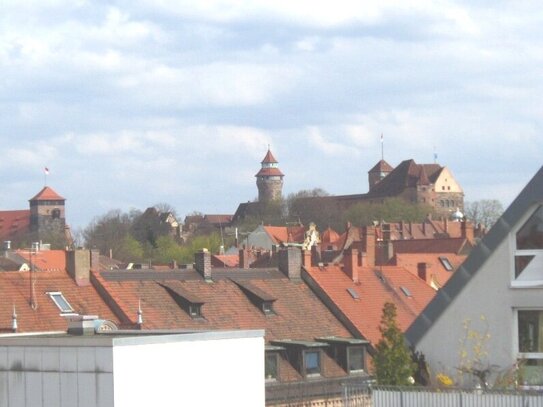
(355, 358)
(530, 346)
(312, 362)
(271, 366)
(61, 302)
(353, 293)
(267, 307)
(446, 263)
(406, 291)
(195, 310)
(528, 264)
(55, 213)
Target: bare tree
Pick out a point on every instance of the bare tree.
(485, 212)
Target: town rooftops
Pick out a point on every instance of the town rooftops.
(13, 223)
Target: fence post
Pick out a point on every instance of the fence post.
(461, 401)
(401, 397)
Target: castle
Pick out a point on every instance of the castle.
(430, 184)
(44, 220)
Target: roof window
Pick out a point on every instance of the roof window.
(406, 291)
(446, 263)
(61, 302)
(353, 293)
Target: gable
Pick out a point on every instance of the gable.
(445, 182)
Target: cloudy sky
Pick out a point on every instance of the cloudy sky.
(132, 103)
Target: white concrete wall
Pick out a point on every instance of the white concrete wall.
(54, 376)
(199, 372)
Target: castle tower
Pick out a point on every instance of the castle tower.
(269, 179)
(378, 172)
(47, 213)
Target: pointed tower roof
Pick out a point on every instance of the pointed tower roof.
(269, 166)
(47, 194)
(423, 178)
(381, 166)
(269, 158)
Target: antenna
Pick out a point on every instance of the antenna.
(435, 155)
(382, 148)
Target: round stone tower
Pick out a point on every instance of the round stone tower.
(269, 179)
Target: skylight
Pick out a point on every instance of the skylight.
(353, 293)
(446, 263)
(406, 291)
(60, 302)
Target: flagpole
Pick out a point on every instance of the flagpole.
(382, 148)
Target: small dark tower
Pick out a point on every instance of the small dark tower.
(269, 179)
(47, 213)
(378, 172)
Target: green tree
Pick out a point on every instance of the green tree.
(391, 210)
(311, 205)
(393, 362)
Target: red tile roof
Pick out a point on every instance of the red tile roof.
(436, 273)
(373, 291)
(266, 172)
(46, 194)
(45, 260)
(382, 166)
(445, 245)
(13, 223)
(286, 234)
(15, 291)
(329, 236)
(218, 219)
(269, 158)
(225, 305)
(225, 260)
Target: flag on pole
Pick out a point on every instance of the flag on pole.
(46, 171)
(381, 137)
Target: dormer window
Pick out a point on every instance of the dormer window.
(195, 310)
(349, 353)
(189, 302)
(61, 302)
(304, 355)
(257, 296)
(267, 307)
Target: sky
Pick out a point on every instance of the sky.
(134, 103)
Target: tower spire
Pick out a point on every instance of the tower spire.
(269, 179)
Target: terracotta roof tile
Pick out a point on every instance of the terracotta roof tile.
(269, 158)
(47, 193)
(372, 292)
(286, 234)
(265, 172)
(13, 223)
(45, 260)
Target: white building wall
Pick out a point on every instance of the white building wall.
(54, 376)
(490, 301)
(198, 372)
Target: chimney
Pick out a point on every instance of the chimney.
(467, 230)
(78, 263)
(290, 262)
(7, 247)
(95, 260)
(446, 225)
(386, 252)
(243, 258)
(82, 325)
(202, 263)
(350, 263)
(173, 265)
(368, 233)
(307, 258)
(315, 255)
(422, 269)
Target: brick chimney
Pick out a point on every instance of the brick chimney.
(368, 237)
(467, 230)
(306, 258)
(243, 258)
(78, 264)
(422, 271)
(95, 259)
(350, 263)
(202, 263)
(290, 262)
